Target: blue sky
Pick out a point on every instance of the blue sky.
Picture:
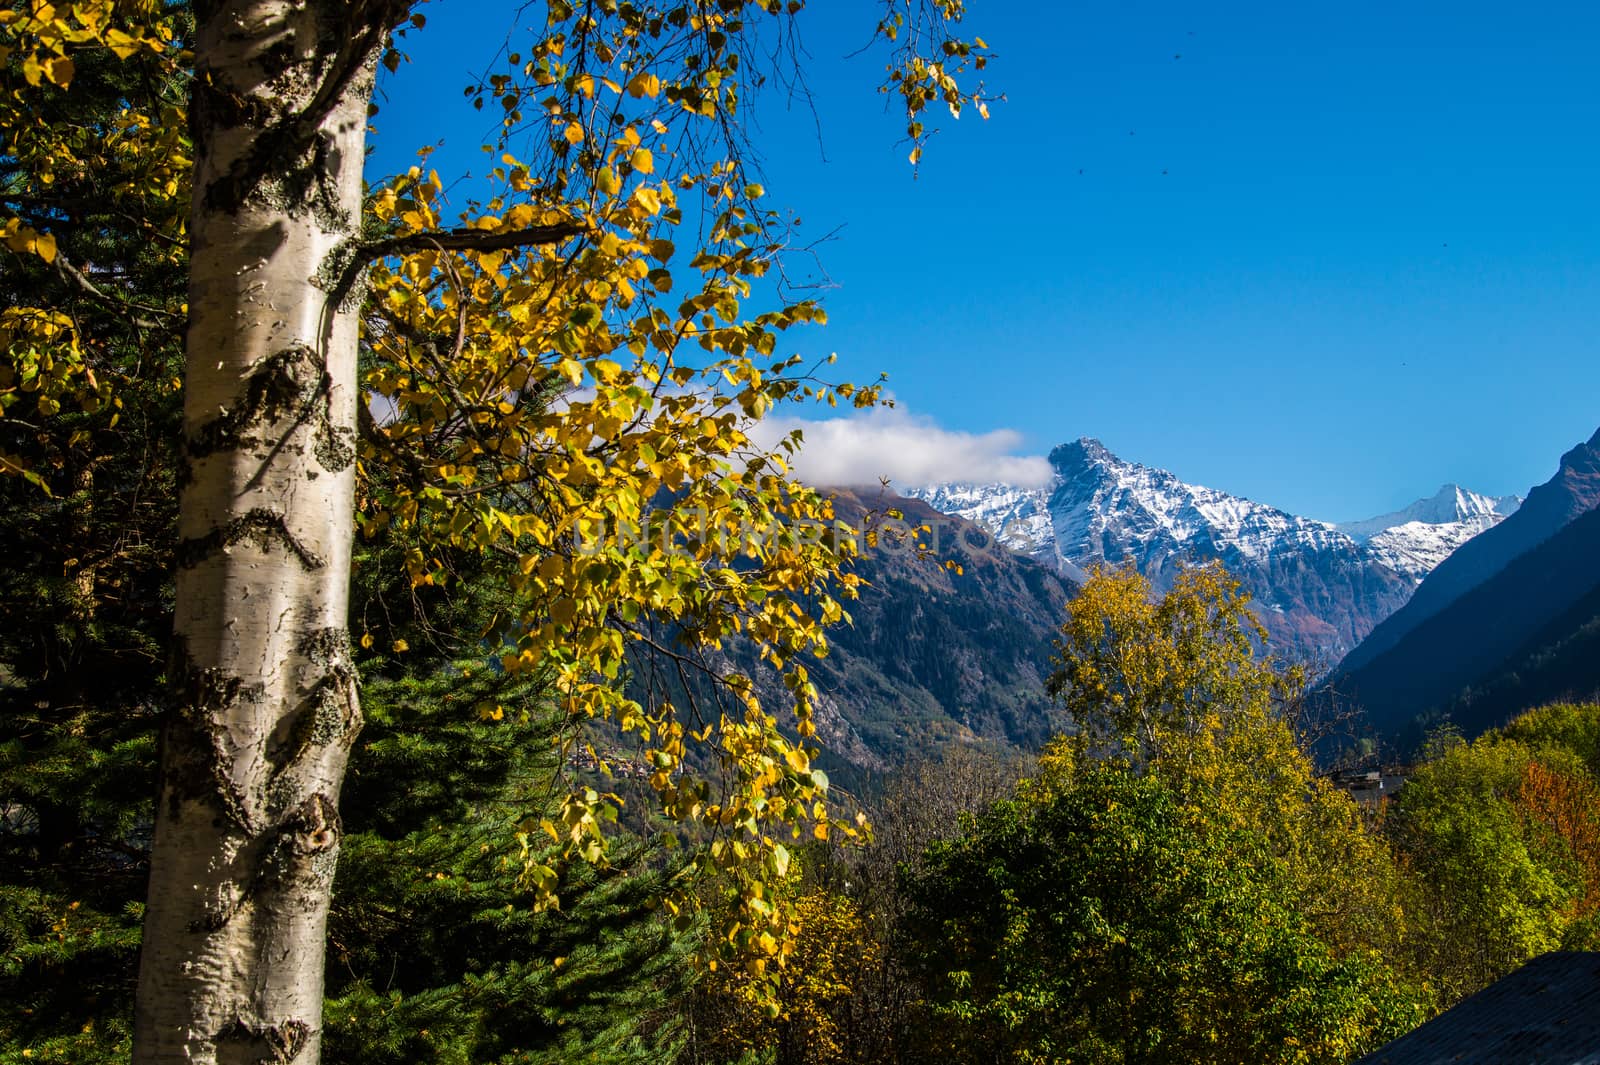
(1325, 256)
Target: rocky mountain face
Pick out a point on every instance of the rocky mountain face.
(1319, 587)
(1573, 491)
(939, 654)
(1510, 620)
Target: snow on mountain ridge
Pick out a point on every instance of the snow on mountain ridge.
(1113, 493)
(1018, 518)
(1098, 500)
(1414, 548)
(1450, 504)
(1324, 584)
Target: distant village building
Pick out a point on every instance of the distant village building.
(1545, 1013)
(1369, 786)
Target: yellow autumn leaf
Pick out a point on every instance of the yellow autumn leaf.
(644, 84)
(60, 70)
(121, 45)
(649, 199)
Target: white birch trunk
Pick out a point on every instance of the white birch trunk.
(247, 827)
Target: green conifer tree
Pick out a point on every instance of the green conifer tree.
(88, 434)
(437, 949)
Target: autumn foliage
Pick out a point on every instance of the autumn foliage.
(1176, 882)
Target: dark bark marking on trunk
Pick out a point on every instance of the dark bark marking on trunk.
(206, 10)
(333, 447)
(339, 273)
(244, 1043)
(330, 647)
(276, 386)
(329, 714)
(315, 827)
(300, 851)
(260, 526)
(277, 58)
(359, 29)
(214, 107)
(195, 742)
(201, 760)
(311, 185)
(326, 716)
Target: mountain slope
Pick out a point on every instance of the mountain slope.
(1560, 663)
(1527, 634)
(1319, 587)
(1018, 517)
(933, 656)
(1574, 490)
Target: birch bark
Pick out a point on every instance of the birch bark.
(247, 827)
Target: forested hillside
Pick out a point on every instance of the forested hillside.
(939, 654)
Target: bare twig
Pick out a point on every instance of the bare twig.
(79, 278)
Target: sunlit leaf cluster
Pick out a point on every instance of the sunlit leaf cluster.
(836, 955)
(63, 164)
(539, 400)
(1136, 668)
(569, 382)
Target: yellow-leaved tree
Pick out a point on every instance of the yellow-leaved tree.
(1175, 884)
(1180, 686)
(557, 376)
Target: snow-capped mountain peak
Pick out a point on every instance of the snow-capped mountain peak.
(1105, 509)
(1415, 539)
(1320, 586)
(1451, 503)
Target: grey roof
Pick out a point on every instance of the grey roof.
(1545, 1013)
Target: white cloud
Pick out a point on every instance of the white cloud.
(910, 450)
